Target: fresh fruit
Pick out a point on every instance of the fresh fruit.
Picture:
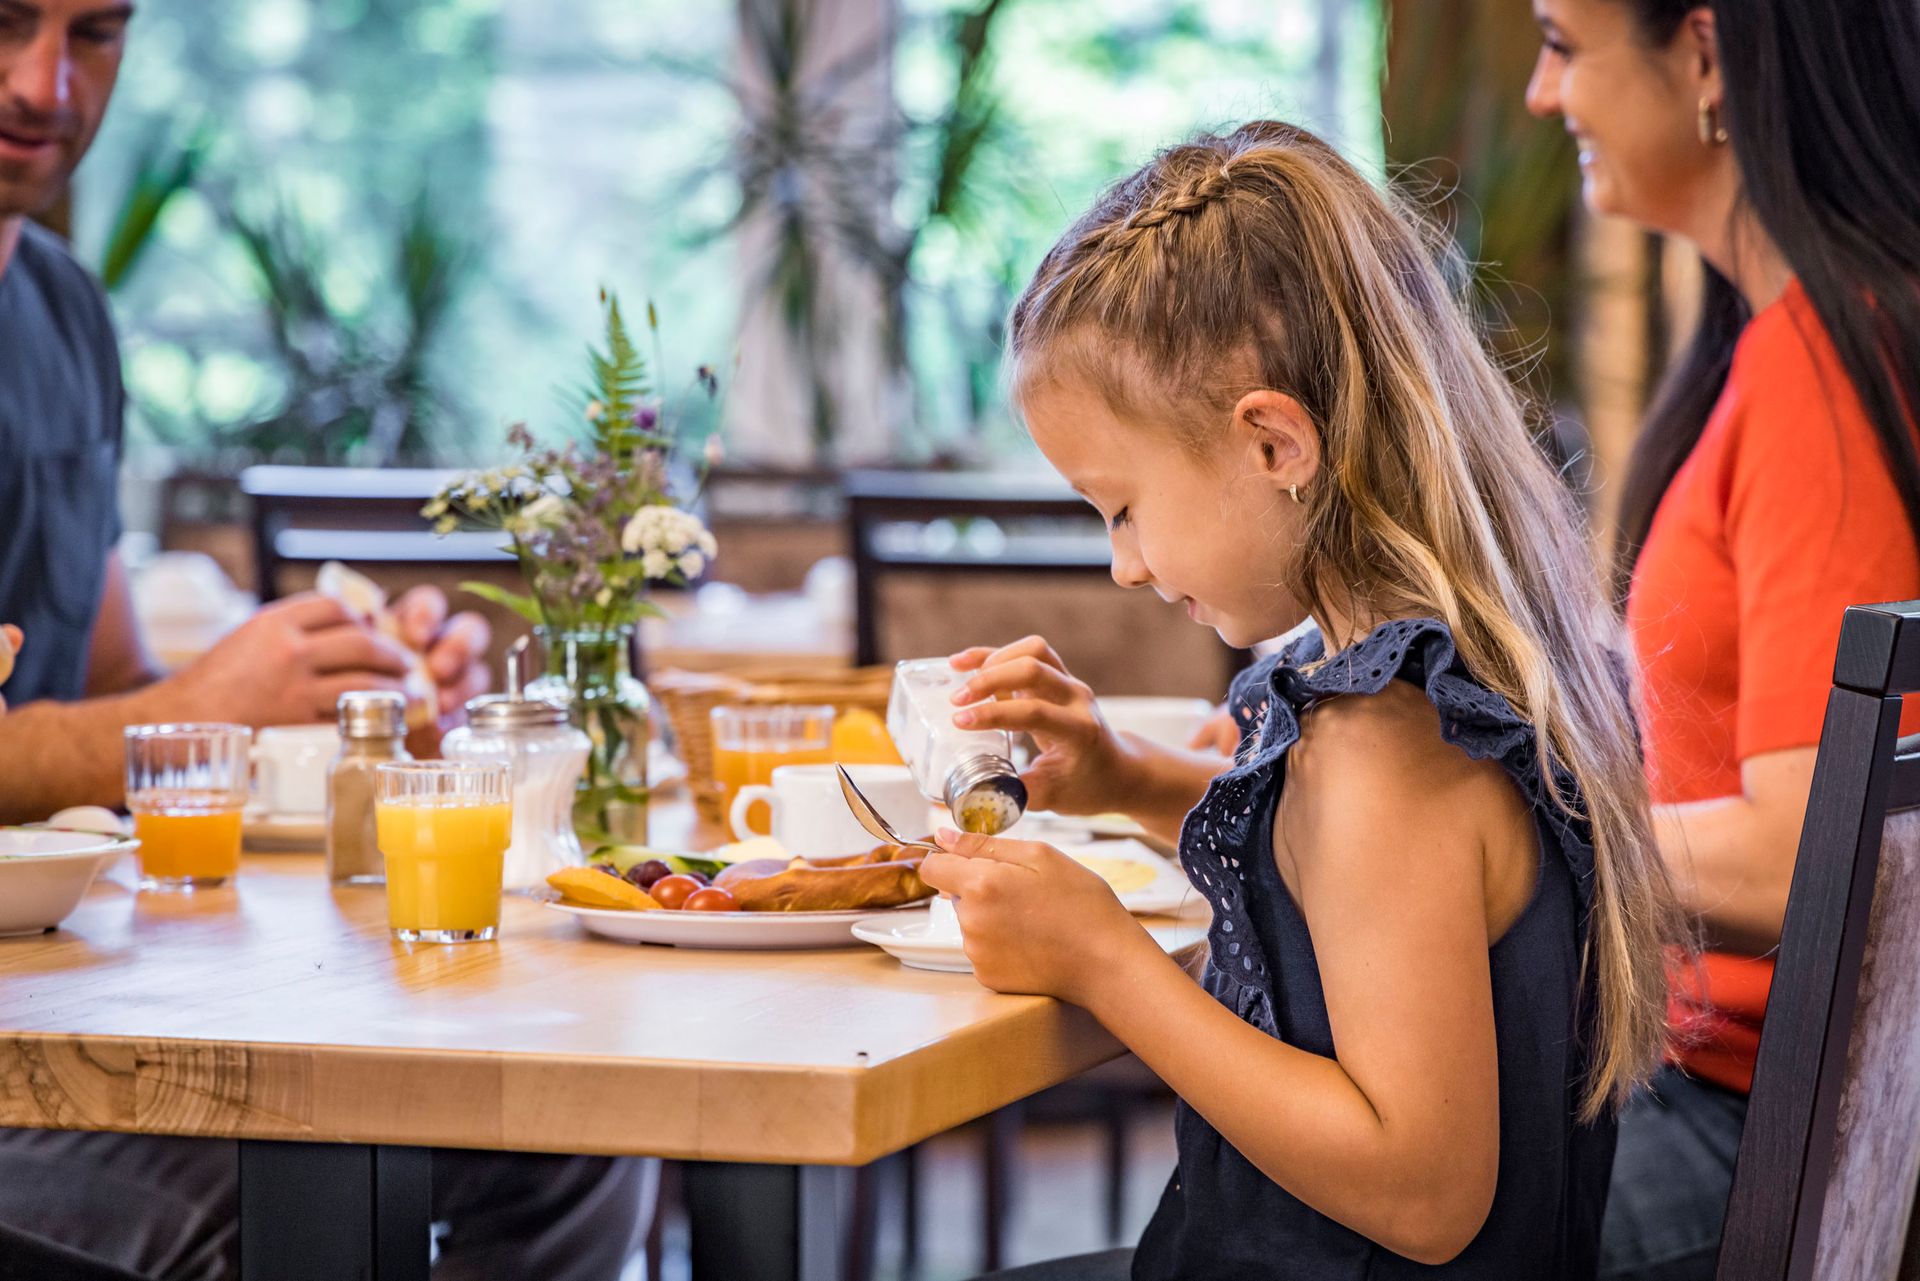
(673, 891)
(645, 874)
(860, 738)
(711, 900)
(701, 877)
(596, 887)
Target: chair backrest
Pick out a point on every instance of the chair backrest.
(1825, 1180)
(309, 515)
(1024, 554)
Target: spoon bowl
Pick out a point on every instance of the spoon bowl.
(872, 819)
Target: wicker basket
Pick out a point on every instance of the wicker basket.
(690, 697)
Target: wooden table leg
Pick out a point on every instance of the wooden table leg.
(778, 1222)
(334, 1211)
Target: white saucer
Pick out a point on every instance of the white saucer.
(266, 833)
(906, 937)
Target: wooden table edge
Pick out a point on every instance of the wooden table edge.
(712, 1111)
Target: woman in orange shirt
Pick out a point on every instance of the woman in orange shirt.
(1776, 483)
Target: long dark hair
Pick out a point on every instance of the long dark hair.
(1823, 109)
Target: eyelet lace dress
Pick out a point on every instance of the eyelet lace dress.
(1221, 1219)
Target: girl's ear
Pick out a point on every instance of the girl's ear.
(1281, 442)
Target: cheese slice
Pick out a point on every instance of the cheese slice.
(1125, 875)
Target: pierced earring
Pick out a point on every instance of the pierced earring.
(1712, 132)
(1293, 492)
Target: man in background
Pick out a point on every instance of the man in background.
(159, 1206)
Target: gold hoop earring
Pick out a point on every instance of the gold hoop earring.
(1293, 492)
(1712, 132)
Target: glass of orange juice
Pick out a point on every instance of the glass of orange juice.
(186, 786)
(443, 828)
(750, 742)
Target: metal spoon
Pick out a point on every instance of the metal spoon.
(870, 818)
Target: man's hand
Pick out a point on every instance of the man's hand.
(288, 664)
(10, 638)
(1220, 734)
(455, 647)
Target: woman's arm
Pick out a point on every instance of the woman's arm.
(1383, 837)
(1732, 857)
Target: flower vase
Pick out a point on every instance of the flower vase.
(591, 671)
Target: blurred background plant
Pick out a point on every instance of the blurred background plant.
(283, 289)
(1460, 143)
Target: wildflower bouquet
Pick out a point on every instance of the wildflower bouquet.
(594, 524)
(592, 527)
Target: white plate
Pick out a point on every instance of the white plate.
(44, 871)
(266, 833)
(1045, 825)
(743, 931)
(1169, 890)
(904, 936)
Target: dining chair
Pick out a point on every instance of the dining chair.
(25, 1256)
(1824, 1183)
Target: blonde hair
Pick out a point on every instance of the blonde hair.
(1261, 259)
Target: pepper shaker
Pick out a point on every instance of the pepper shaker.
(373, 729)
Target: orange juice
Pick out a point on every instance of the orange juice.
(186, 839)
(736, 767)
(444, 867)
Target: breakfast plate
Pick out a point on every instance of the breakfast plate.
(1146, 884)
(742, 931)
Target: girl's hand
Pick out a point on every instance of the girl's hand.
(1034, 920)
(1082, 762)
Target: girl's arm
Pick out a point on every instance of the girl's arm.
(1383, 838)
(1732, 857)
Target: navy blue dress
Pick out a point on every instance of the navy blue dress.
(1220, 1218)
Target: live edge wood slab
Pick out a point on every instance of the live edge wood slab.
(281, 1009)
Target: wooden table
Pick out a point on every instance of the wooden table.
(280, 1013)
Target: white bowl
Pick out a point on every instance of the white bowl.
(44, 871)
(1170, 722)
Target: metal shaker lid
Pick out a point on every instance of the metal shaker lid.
(372, 713)
(513, 710)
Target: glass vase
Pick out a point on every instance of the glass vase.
(591, 670)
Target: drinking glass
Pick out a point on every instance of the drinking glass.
(751, 741)
(186, 786)
(443, 828)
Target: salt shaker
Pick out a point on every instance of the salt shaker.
(548, 755)
(971, 771)
(373, 728)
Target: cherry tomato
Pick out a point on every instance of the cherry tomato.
(673, 891)
(712, 899)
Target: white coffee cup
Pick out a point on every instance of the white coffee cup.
(290, 768)
(811, 818)
(1169, 722)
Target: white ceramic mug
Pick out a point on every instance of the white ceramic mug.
(811, 818)
(290, 768)
(1169, 722)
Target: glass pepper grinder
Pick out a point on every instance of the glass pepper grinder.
(971, 771)
(548, 755)
(373, 729)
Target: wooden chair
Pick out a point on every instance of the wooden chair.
(305, 516)
(1825, 1180)
(1042, 565)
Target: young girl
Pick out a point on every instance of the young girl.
(1436, 957)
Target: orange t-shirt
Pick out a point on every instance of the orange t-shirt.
(1784, 514)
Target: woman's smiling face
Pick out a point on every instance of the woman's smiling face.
(1632, 106)
(1206, 530)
